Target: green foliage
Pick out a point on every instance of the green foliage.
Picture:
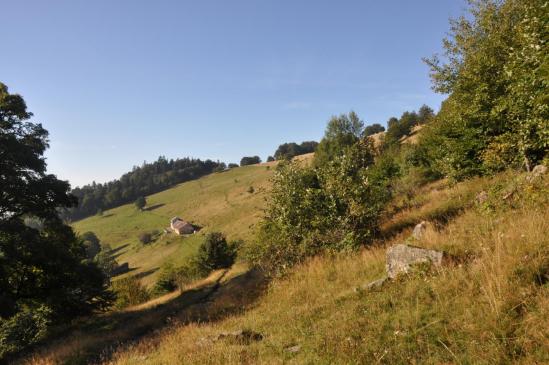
(341, 133)
(23, 329)
(147, 179)
(398, 128)
(172, 278)
(270, 159)
(373, 129)
(333, 207)
(287, 151)
(233, 165)
(245, 161)
(140, 202)
(145, 237)
(105, 261)
(496, 115)
(91, 244)
(215, 253)
(46, 266)
(129, 291)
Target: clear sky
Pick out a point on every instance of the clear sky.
(119, 82)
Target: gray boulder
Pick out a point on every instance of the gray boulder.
(401, 259)
(537, 172)
(419, 230)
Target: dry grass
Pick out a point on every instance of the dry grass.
(490, 305)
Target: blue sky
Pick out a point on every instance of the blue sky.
(120, 82)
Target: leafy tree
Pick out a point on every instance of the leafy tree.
(425, 114)
(335, 206)
(91, 244)
(250, 160)
(215, 253)
(496, 77)
(140, 202)
(341, 133)
(129, 291)
(287, 151)
(233, 165)
(105, 261)
(373, 129)
(145, 237)
(45, 267)
(270, 159)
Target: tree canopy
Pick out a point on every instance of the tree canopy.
(45, 266)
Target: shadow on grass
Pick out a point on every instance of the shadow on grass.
(143, 274)
(95, 339)
(153, 207)
(115, 251)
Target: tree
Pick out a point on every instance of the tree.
(233, 165)
(373, 129)
(250, 160)
(341, 133)
(270, 159)
(215, 253)
(140, 202)
(46, 267)
(287, 151)
(425, 114)
(495, 74)
(91, 244)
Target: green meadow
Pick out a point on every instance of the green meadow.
(217, 202)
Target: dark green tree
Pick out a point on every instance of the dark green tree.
(250, 160)
(47, 266)
(140, 202)
(373, 129)
(215, 253)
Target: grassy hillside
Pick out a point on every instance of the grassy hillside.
(488, 305)
(217, 202)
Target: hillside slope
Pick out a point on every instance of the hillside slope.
(489, 304)
(217, 202)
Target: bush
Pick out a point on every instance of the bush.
(251, 190)
(140, 202)
(215, 253)
(23, 329)
(250, 160)
(145, 237)
(129, 291)
(332, 207)
(172, 278)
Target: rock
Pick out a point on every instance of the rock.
(482, 197)
(419, 230)
(537, 172)
(375, 284)
(293, 349)
(240, 336)
(401, 259)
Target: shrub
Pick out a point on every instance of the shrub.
(332, 207)
(251, 190)
(250, 160)
(145, 237)
(129, 291)
(215, 253)
(23, 329)
(172, 278)
(140, 202)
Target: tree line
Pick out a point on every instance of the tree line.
(143, 180)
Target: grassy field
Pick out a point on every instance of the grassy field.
(217, 202)
(489, 305)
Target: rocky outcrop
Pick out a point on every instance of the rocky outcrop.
(419, 230)
(537, 172)
(402, 258)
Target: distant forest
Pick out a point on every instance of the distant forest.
(143, 180)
